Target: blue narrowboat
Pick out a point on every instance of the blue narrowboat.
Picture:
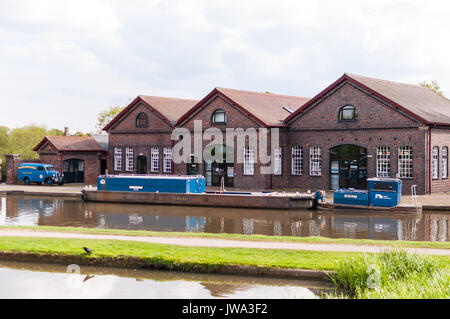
(152, 183)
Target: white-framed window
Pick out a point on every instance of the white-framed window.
(167, 160)
(383, 161)
(129, 159)
(405, 161)
(445, 162)
(435, 163)
(154, 160)
(315, 161)
(249, 160)
(117, 159)
(297, 160)
(277, 161)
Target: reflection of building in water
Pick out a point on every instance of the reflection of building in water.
(222, 289)
(151, 222)
(28, 210)
(195, 224)
(35, 211)
(435, 226)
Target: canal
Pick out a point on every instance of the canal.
(45, 281)
(35, 211)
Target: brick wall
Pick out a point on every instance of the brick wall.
(441, 139)
(12, 163)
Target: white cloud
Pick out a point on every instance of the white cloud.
(71, 59)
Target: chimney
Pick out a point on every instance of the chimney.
(66, 131)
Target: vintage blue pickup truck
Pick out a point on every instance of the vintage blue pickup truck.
(38, 173)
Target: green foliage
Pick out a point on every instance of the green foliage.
(55, 132)
(432, 86)
(392, 274)
(79, 133)
(106, 116)
(22, 140)
(178, 257)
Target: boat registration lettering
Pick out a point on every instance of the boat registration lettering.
(350, 196)
(136, 188)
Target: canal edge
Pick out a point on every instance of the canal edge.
(140, 263)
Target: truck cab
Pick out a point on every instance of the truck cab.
(38, 173)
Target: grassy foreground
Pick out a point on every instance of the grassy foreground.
(318, 240)
(392, 275)
(176, 257)
(186, 258)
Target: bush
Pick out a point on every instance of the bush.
(392, 274)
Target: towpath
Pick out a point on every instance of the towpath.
(224, 243)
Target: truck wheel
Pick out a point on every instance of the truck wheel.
(26, 181)
(48, 182)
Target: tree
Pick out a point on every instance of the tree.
(22, 140)
(55, 132)
(106, 116)
(432, 86)
(79, 133)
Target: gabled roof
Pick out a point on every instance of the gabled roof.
(266, 108)
(168, 109)
(419, 102)
(71, 144)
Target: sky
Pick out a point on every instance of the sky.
(63, 61)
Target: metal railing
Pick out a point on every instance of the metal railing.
(415, 200)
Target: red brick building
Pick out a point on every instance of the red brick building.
(356, 128)
(80, 158)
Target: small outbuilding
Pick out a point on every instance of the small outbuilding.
(80, 158)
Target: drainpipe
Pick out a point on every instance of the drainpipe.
(429, 161)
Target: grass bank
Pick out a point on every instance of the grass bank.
(392, 275)
(317, 240)
(203, 259)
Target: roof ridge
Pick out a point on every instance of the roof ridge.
(263, 93)
(166, 97)
(399, 83)
(387, 81)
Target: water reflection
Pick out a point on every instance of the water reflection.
(28, 280)
(20, 210)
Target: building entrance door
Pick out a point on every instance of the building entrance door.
(141, 164)
(348, 167)
(73, 170)
(217, 169)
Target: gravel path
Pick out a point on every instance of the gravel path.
(208, 242)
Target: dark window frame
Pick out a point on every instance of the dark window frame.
(355, 114)
(138, 117)
(213, 121)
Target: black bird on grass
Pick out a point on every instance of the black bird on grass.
(87, 250)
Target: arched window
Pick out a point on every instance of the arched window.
(142, 120)
(348, 113)
(435, 163)
(445, 162)
(219, 116)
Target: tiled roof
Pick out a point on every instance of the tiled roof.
(268, 107)
(170, 108)
(420, 101)
(72, 143)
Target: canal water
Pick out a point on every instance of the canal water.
(29, 281)
(34, 211)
